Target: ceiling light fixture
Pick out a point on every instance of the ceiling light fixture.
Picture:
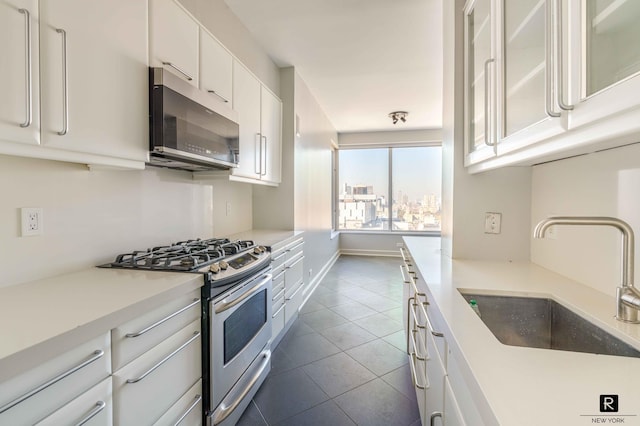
(398, 115)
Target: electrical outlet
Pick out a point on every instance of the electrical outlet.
(399, 245)
(228, 208)
(492, 223)
(310, 272)
(31, 221)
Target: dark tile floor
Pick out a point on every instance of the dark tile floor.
(343, 361)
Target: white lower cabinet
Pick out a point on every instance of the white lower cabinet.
(35, 394)
(442, 394)
(187, 411)
(92, 408)
(146, 388)
(287, 265)
(453, 414)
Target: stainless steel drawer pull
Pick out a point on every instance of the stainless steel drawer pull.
(193, 405)
(277, 296)
(278, 311)
(296, 246)
(227, 407)
(196, 334)
(279, 275)
(65, 84)
(95, 356)
(279, 256)
(29, 80)
(296, 262)
(294, 293)
(167, 318)
(213, 92)
(414, 375)
(98, 406)
(434, 415)
(170, 64)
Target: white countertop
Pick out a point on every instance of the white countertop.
(43, 318)
(529, 386)
(265, 237)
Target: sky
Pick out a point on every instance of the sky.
(417, 171)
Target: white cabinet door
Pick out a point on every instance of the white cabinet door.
(216, 68)
(92, 408)
(271, 119)
(479, 79)
(19, 75)
(173, 39)
(527, 81)
(452, 415)
(94, 77)
(35, 394)
(187, 411)
(605, 57)
(135, 337)
(147, 387)
(246, 102)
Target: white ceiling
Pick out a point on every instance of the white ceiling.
(361, 59)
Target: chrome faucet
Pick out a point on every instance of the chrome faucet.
(627, 296)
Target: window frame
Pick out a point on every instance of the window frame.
(336, 194)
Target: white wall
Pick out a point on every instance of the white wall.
(600, 184)
(90, 216)
(216, 16)
(465, 197)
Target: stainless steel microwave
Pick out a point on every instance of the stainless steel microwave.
(189, 129)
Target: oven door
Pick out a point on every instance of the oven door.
(240, 331)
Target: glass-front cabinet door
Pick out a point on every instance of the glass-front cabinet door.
(606, 51)
(530, 86)
(479, 70)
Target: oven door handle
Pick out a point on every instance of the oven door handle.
(225, 304)
(223, 411)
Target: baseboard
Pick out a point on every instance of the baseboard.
(318, 278)
(361, 252)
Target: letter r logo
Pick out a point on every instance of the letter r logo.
(608, 403)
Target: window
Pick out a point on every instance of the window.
(389, 189)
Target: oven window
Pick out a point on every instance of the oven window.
(243, 324)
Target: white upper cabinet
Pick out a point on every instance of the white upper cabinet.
(527, 81)
(173, 39)
(564, 76)
(260, 116)
(604, 52)
(19, 76)
(271, 129)
(479, 76)
(216, 68)
(246, 102)
(94, 82)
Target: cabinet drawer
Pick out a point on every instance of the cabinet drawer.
(137, 336)
(146, 388)
(33, 395)
(277, 320)
(293, 302)
(295, 270)
(278, 283)
(277, 260)
(294, 249)
(92, 408)
(187, 411)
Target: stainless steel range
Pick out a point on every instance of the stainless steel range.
(236, 316)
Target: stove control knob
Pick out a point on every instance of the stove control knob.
(215, 268)
(223, 265)
(257, 250)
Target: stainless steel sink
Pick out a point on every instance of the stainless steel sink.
(544, 323)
